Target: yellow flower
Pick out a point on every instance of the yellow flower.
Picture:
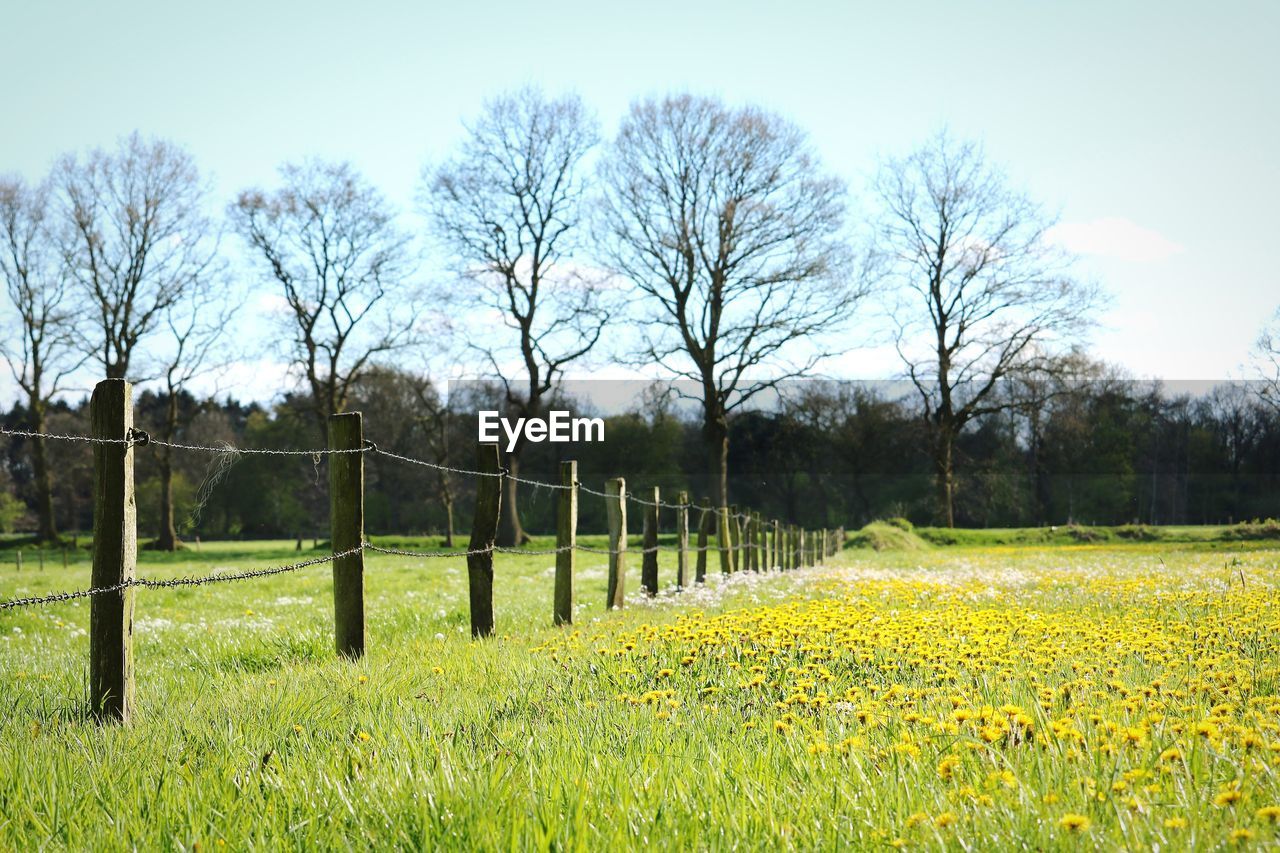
(917, 818)
(1073, 822)
(781, 727)
(944, 820)
(1175, 822)
(947, 767)
(438, 670)
(1228, 797)
(1269, 813)
(363, 679)
(1239, 836)
(362, 737)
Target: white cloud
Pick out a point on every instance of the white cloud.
(1114, 237)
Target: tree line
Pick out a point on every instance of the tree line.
(706, 239)
(1101, 449)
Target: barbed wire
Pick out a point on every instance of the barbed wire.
(247, 574)
(148, 583)
(434, 465)
(22, 433)
(256, 451)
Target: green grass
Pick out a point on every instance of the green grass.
(250, 732)
(1203, 536)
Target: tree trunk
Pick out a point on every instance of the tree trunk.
(447, 497)
(510, 532)
(47, 525)
(944, 479)
(167, 540)
(716, 434)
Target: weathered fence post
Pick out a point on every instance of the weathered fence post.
(735, 534)
(704, 530)
(18, 560)
(649, 560)
(566, 541)
(40, 553)
(757, 541)
(615, 505)
(777, 546)
(484, 529)
(346, 530)
(724, 536)
(64, 556)
(115, 553)
(682, 539)
(797, 557)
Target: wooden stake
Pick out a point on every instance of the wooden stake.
(115, 553)
(777, 546)
(346, 531)
(704, 531)
(757, 541)
(566, 539)
(725, 540)
(682, 539)
(649, 559)
(736, 554)
(484, 530)
(615, 504)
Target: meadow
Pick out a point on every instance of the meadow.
(1086, 696)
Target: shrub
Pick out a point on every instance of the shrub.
(883, 536)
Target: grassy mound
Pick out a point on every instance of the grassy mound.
(886, 536)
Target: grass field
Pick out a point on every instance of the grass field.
(1090, 696)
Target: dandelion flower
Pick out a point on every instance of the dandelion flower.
(1073, 822)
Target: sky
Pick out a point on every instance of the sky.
(1151, 128)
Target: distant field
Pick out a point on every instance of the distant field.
(1100, 696)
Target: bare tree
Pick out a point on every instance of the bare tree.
(983, 294)
(44, 352)
(197, 327)
(731, 232)
(135, 236)
(1267, 358)
(329, 240)
(508, 206)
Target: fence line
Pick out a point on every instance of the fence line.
(223, 577)
(745, 540)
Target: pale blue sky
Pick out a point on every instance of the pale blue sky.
(1153, 127)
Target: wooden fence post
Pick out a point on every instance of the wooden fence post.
(775, 551)
(64, 556)
(704, 530)
(346, 531)
(682, 539)
(797, 544)
(615, 505)
(566, 541)
(649, 560)
(484, 529)
(724, 539)
(757, 541)
(115, 553)
(735, 536)
(18, 560)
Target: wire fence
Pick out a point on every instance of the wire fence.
(743, 540)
